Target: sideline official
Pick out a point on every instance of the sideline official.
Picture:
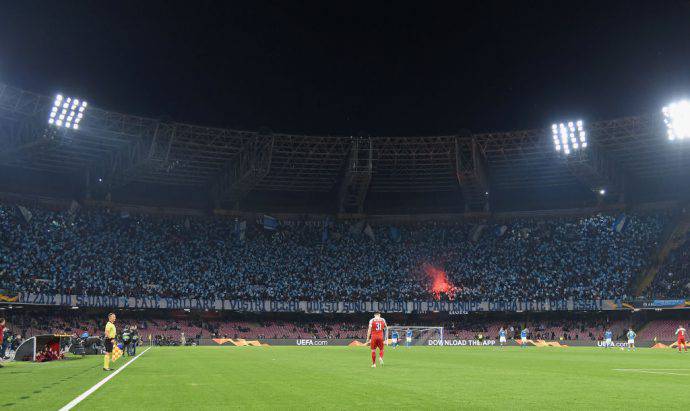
(110, 333)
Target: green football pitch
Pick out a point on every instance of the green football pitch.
(341, 378)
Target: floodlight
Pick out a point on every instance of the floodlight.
(602, 192)
(67, 112)
(677, 119)
(569, 136)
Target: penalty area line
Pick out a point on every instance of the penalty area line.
(98, 385)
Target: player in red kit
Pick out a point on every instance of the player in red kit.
(680, 332)
(375, 333)
(2, 333)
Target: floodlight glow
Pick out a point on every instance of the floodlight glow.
(602, 192)
(677, 119)
(569, 136)
(69, 112)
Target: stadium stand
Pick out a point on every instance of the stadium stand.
(96, 251)
(673, 278)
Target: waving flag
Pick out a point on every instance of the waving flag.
(8, 296)
(394, 233)
(500, 230)
(117, 352)
(369, 232)
(26, 214)
(477, 232)
(240, 230)
(619, 224)
(72, 211)
(324, 232)
(270, 223)
(357, 228)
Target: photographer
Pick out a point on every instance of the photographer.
(127, 339)
(134, 335)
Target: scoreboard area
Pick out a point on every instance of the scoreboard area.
(485, 377)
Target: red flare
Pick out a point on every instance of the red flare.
(439, 281)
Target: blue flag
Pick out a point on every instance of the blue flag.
(270, 223)
(394, 233)
(619, 224)
(500, 230)
(324, 233)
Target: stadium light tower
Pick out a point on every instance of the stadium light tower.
(67, 112)
(677, 119)
(569, 136)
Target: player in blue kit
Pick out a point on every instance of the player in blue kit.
(631, 339)
(408, 338)
(523, 337)
(502, 336)
(608, 336)
(394, 339)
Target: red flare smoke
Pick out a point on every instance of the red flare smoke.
(439, 280)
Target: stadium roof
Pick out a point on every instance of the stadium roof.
(628, 154)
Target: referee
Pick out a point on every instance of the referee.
(110, 333)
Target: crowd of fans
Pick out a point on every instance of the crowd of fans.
(95, 251)
(673, 278)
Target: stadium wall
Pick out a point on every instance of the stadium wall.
(451, 342)
(63, 203)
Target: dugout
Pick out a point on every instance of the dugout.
(29, 349)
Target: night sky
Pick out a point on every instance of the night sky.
(379, 68)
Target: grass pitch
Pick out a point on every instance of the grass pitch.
(341, 378)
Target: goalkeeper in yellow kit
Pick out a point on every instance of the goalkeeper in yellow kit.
(110, 333)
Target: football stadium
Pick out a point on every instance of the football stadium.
(192, 217)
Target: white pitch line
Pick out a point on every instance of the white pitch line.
(663, 371)
(98, 385)
(651, 369)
